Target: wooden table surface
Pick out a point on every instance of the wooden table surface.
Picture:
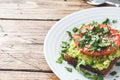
(23, 27)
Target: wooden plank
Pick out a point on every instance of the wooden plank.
(40, 9)
(21, 44)
(8, 75)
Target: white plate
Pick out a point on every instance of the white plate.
(58, 33)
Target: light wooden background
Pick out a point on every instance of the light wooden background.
(23, 27)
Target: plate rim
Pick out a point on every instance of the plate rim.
(62, 19)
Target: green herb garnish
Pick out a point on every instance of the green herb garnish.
(78, 32)
(91, 62)
(81, 44)
(94, 22)
(92, 76)
(113, 44)
(114, 21)
(96, 38)
(96, 29)
(69, 34)
(118, 64)
(107, 21)
(102, 44)
(106, 30)
(68, 69)
(75, 29)
(113, 73)
(64, 46)
(60, 59)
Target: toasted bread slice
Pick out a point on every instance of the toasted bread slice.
(73, 62)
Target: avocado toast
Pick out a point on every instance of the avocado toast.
(94, 46)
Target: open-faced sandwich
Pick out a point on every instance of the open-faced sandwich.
(94, 46)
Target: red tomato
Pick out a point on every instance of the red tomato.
(115, 36)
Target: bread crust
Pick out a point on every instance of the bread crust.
(73, 62)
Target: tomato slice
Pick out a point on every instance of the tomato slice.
(104, 52)
(115, 36)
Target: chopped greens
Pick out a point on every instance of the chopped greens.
(84, 31)
(78, 32)
(113, 44)
(69, 34)
(60, 59)
(114, 21)
(118, 64)
(68, 69)
(107, 21)
(75, 29)
(96, 38)
(81, 44)
(106, 30)
(78, 66)
(64, 46)
(92, 76)
(113, 73)
(103, 44)
(96, 29)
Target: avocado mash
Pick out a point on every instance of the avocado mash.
(95, 62)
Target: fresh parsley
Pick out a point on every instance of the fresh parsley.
(114, 21)
(60, 59)
(118, 64)
(75, 29)
(65, 46)
(107, 21)
(69, 34)
(68, 69)
(113, 73)
(92, 76)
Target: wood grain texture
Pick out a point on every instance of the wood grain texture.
(23, 27)
(13, 75)
(21, 44)
(40, 9)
